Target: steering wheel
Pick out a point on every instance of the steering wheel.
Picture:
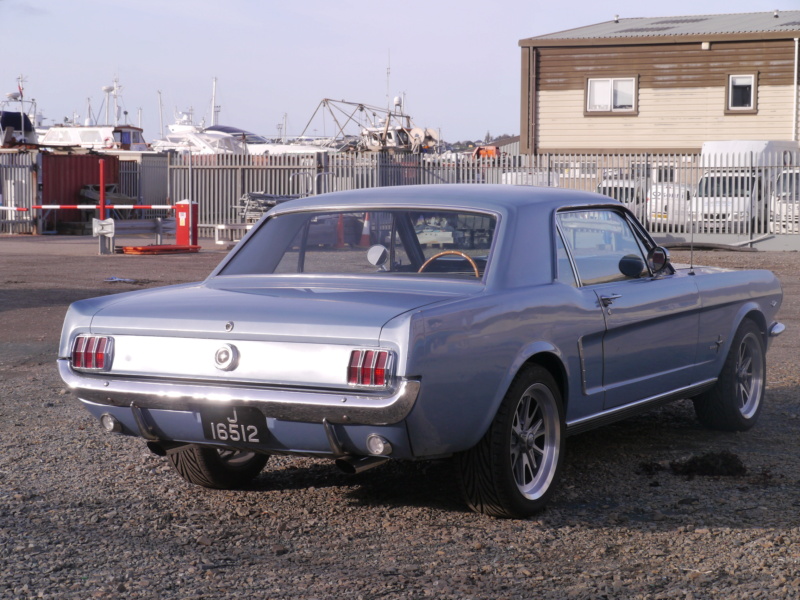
(451, 252)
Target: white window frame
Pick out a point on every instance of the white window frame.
(729, 95)
(592, 85)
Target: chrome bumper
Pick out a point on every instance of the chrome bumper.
(776, 329)
(289, 405)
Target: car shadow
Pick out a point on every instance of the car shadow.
(650, 471)
(394, 483)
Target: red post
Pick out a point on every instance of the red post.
(102, 189)
(186, 223)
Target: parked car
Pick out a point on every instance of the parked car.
(547, 312)
(733, 194)
(668, 196)
(785, 201)
(629, 191)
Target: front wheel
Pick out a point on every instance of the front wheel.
(217, 469)
(734, 403)
(512, 471)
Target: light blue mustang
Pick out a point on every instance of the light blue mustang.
(483, 323)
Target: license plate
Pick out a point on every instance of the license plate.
(234, 424)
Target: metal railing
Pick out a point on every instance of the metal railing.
(18, 186)
(726, 198)
(741, 197)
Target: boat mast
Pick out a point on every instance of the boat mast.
(20, 81)
(116, 96)
(107, 89)
(160, 114)
(214, 107)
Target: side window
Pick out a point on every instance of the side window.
(603, 246)
(564, 272)
(741, 94)
(612, 95)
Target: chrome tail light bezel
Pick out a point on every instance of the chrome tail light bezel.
(92, 353)
(370, 368)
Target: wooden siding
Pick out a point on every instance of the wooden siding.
(678, 119)
(666, 65)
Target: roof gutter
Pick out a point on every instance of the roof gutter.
(688, 38)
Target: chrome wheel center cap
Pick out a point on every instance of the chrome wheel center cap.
(528, 440)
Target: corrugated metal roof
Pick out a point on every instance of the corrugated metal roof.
(787, 21)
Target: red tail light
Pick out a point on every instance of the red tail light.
(92, 353)
(370, 368)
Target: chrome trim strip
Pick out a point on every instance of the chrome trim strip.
(776, 329)
(582, 360)
(290, 405)
(621, 412)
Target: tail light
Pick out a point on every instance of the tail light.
(92, 353)
(370, 368)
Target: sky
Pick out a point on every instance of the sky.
(456, 63)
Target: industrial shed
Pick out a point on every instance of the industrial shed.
(661, 84)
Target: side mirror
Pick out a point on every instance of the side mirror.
(658, 259)
(377, 255)
(631, 265)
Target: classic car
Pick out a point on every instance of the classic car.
(549, 312)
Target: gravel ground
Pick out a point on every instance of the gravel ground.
(84, 514)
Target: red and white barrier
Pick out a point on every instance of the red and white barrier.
(14, 208)
(95, 206)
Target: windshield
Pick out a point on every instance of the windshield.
(252, 138)
(340, 242)
(788, 185)
(715, 186)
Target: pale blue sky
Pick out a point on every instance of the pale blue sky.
(457, 62)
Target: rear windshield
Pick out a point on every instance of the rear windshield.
(422, 243)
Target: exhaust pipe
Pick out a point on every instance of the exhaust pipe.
(358, 464)
(163, 448)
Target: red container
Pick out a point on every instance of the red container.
(63, 176)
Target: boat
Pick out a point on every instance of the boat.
(16, 127)
(93, 136)
(378, 129)
(199, 142)
(96, 137)
(256, 144)
(185, 137)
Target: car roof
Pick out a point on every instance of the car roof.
(479, 197)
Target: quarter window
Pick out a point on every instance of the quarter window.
(616, 94)
(564, 272)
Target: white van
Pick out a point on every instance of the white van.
(668, 193)
(733, 192)
(785, 201)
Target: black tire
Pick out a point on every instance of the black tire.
(512, 471)
(217, 469)
(735, 401)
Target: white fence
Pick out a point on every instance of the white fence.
(18, 192)
(727, 198)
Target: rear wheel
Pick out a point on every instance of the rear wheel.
(734, 403)
(512, 471)
(214, 468)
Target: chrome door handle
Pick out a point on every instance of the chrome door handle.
(608, 300)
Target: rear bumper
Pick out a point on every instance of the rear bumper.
(335, 407)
